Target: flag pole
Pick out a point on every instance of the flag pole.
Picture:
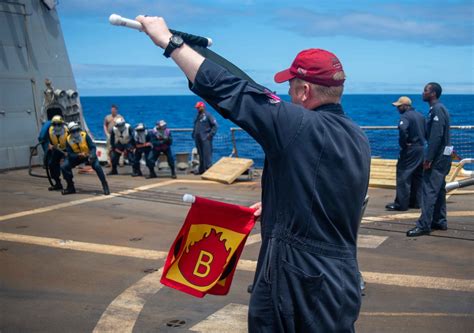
(189, 198)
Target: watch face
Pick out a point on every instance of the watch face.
(177, 40)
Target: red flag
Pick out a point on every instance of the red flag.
(204, 255)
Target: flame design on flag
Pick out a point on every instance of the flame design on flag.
(202, 262)
(205, 253)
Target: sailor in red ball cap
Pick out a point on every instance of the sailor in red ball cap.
(205, 127)
(314, 183)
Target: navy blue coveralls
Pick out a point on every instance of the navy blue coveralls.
(410, 161)
(140, 151)
(123, 147)
(314, 183)
(72, 160)
(42, 139)
(433, 209)
(53, 162)
(205, 127)
(161, 143)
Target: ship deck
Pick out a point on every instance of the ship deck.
(88, 262)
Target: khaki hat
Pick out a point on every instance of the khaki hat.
(402, 101)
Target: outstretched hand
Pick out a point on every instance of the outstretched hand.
(258, 207)
(155, 27)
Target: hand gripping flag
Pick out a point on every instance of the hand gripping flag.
(204, 255)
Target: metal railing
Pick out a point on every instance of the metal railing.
(383, 142)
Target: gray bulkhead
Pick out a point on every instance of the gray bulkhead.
(32, 49)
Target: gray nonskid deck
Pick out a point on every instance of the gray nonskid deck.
(85, 262)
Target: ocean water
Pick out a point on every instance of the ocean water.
(365, 110)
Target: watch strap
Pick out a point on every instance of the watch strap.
(171, 47)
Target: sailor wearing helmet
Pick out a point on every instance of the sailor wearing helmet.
(161, 140)
(121, 142)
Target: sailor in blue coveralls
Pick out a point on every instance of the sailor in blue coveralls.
(80, 149)
(410, 161)
(436, 165)
(161, 141)
(314, 183)
(205, 127)
(54, 146)
(142, 148)
(121, 142)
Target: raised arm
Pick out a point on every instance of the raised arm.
(252, 107)
(185, 57)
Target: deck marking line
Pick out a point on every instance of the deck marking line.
(233, 315)
(67, 244)
(235, 318)
(407, 216)
(417, 281)
(401, 280)
(100, 198)
(82, 201)
(122, 313)
(253, 239)
(370, 241)
(364, 241)
(84, 247)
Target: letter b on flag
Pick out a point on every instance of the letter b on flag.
(203, 263)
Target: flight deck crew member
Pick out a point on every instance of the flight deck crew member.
(142, 148)
(436, 165)
(314, 184)
(205, 127)
(121, 143)
(411, 139)
(80, 149)
(161, 140)
(56, 146)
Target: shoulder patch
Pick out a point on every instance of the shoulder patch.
(272, 98)
(401, 122)
(436, 118)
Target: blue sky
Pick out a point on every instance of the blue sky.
(385, 46)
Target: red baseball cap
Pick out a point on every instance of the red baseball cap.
(316, 66)
(199, 105)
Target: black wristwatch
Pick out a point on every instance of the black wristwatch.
(175, 42)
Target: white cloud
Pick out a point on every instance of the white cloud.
(106, 80)
(367, 25)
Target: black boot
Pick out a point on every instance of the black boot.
(70, 189)
(136, 173)
(113, 172)
(173, 173)
(105, 187)
(151, 175)
(56, 187)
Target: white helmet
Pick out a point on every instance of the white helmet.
(119, 122)
(161, 124)
(140, 127)
(73, 126)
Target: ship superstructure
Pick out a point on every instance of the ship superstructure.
(36, 78)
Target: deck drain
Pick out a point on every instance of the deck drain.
(135, 239)
(150, 270)
(175, 323)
